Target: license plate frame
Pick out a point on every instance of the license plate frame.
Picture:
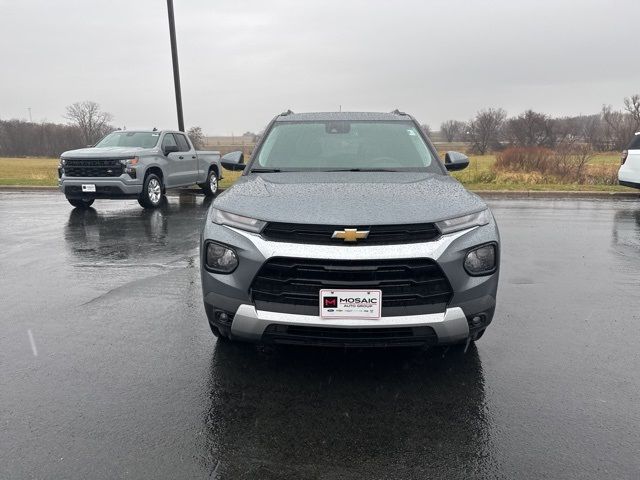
(332, 305)
(88, 188)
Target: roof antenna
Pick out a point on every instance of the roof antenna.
(288, 112)
(398, 112)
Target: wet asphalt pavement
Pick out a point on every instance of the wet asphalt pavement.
(108, 368)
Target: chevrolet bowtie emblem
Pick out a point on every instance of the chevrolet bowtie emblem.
(350, 234)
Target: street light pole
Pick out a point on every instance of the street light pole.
(176, 70)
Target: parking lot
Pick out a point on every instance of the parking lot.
(108, 368)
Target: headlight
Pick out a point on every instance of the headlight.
(238, 221)
(481, 260)
(464, 222)
(129, 161)
(220, 259)
(62, 162)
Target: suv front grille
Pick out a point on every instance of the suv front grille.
(409, 286)
(378, 234)
(93, 167)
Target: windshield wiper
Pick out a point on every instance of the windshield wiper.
(362, 170)
(265, 170)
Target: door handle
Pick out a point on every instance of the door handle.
(193, 156)
(180, 157)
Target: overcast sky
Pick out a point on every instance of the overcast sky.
(241, 62)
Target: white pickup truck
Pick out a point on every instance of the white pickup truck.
(136, 164)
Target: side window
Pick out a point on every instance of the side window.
(169, 141)
(183, 145)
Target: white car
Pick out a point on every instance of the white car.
(629, 173)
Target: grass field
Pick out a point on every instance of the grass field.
(478, 176)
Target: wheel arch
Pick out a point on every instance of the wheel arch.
(155, 169)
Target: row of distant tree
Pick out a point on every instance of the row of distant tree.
(87, 124)
(491, 129)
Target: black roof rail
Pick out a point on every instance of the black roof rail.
(288, 112)
(398, 112)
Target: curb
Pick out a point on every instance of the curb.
(483, 193)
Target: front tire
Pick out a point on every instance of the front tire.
(80, 203)
(151, 195)
(210, 187)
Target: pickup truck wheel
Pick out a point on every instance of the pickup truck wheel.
(210, 187)
(80, 203)
(151, 195)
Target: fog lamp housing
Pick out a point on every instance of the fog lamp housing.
(219, 258)
(481, 260)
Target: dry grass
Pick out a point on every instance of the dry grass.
(601, 175)
(28, 171)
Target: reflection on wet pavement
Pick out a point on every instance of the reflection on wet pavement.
(129, 382)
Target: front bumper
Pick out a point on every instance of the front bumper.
(470, 308)
(250, 324)
(106, 187)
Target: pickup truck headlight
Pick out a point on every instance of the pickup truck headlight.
(220, 258)
(129, 162)
(481, 260)
(462, 223)
(232, 220)
(130, 166)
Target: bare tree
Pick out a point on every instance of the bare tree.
(591, 130)
(632, 105)
(92, 122)
(197, 137)
(530, 129)
(619, 127)
(485, 129)
(452, 130)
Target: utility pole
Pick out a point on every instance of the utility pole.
(176, 70)
(30, 119)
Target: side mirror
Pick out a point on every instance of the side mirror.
(233, 161)
(169, 149)
(455, 161)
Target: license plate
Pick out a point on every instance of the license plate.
(351, 304)
(88, 188)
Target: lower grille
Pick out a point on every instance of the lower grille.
(409, 286)
(75, 191)
(350, 337)
(93, 168)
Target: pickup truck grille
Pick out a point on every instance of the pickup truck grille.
(409, 286)
(378, 234)
(93, 167)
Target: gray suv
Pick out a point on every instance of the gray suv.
(345, 229)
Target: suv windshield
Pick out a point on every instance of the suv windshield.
(345, 145)
(130, 139)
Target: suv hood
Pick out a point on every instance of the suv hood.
(349, 198)
(104, 152)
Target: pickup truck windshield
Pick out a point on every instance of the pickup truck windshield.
(130, 139)
(345, 145)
